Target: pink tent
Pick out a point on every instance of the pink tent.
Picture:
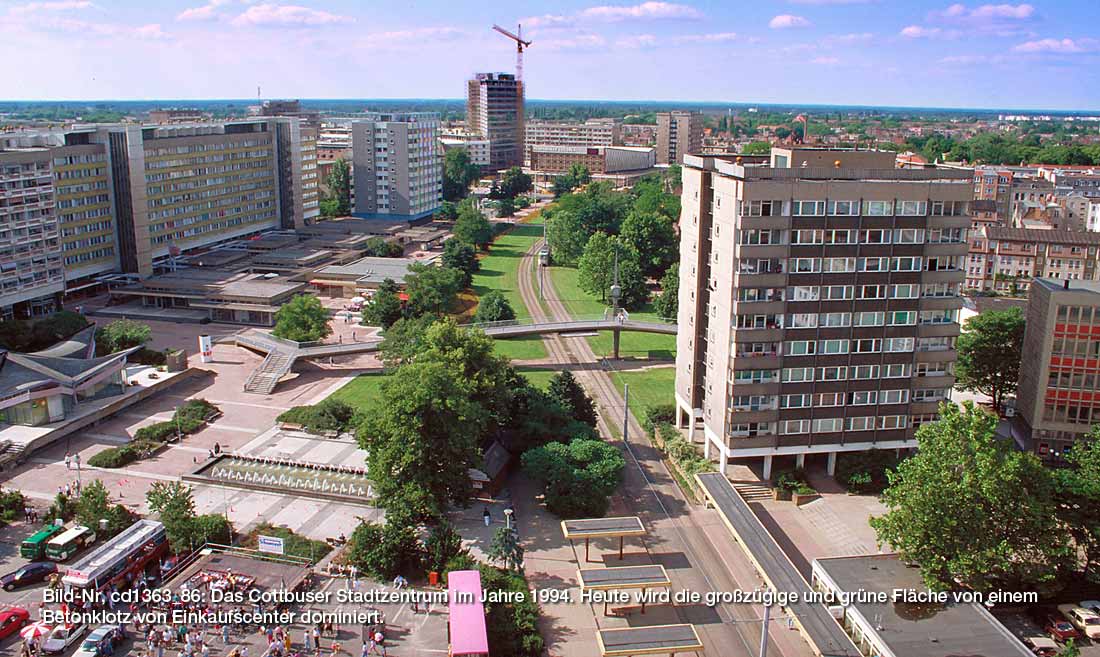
(467, 622)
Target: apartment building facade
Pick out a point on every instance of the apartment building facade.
(678, 133)
(397, 165)
(819, 304)
(589, 134)
(1058, 397)
(476, 146)
(597, 159)
(1007, 259)
(495, 110)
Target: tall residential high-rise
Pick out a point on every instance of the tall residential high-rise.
(494, 109)
(819, 301)
(1057, 401)
(397, 165)
(678, 133)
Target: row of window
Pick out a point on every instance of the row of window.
(842, 346)
(208, 171)
(845, 236)
(835, 424)
(853, 373)
(850, 208)
(202, 148)
(842, 292)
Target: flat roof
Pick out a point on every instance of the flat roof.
(624, 577)
(598, 527)
(663, 639)
(269, 573)
(915, 630)
(370, 269)
(1059, 285)
(1071, 237)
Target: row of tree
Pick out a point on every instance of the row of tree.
(1004, 148)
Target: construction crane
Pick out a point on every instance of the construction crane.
(520, 45)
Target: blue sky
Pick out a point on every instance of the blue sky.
(1039, 54)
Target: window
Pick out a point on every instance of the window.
(839, 265)
(943, 263)
(933, 369)
(751, 349)
(899, 345)
(947, 235)
(808, 208)
(754, 376)
(909, 236)
(907, 291)
(878, 208)
(872, 292)
(866, 423)
(796, 401)
(802, 320)
(867, 346)
(750, 429)
(875, 236)
(762, 208)
(838, 292)
(862, 398)
(929, 395)
(757, 321)
(789, 427)
(939, 316)
(804, 293)
(912, 208)
(751, 294)
(844, 208)
(940, 290)
(906, 264)
(833, 347)
(832, 373)
(869, 319)
(800, 348)
(836, 320)
(893, 422)
(828, 425)
(897, 371)
(808, 237)
(901, 318)
(798, 374)
(894, 396)
(935, 344)
(752, 403)
(805, 265)
(864, 372)
(829, 399)
(758, 237)
(840, 237)
(874, 264)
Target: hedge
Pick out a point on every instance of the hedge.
(329, 415)
(188, 418)
(116, 457)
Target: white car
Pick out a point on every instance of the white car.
(1085, 620)
(63, 636)
(1092, 605)
(97, 642)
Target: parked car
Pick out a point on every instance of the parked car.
(1060, 629)
(61, 637)
(1086, 621)
(1092, 605)
(1041, 646)
(12, 620)
(32, 573)
(103, 641)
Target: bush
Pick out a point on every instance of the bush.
(147, 356)
(12, 504)
(442, 546)
(385, 551)
(658, 415)
(293, 544)
(579, 477)
(329, 415)
(793, 481)
(116, 457)
(63, 507)
(512, 626)
(159, 432)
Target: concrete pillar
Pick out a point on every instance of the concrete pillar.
(800, 461)
(767, 468)
(679, 416)
(831, 468)
(691, 427)
(724, 459)
(706, 446)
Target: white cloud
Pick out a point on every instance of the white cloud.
(716, 37)
(151, 32)
(574, 42)
(414, 37)
(784, 21)
(547, 20)
(637, 41)
(645, 10)
(1059, 46)
(854, 37)
(831, 2)
(204, 13)
(44, 7)
(267, 15)
(825, 61)
(921, 32)
(989, 12)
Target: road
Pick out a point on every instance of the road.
(692, 544)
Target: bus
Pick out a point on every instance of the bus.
(69, 543)
(34, 547)
(121, 560)
(466, 630)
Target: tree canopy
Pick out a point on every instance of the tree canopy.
(596, 270)
(990, 348)
(667, 302)
(472, 227)
(432, 290)
(459, 172)
(339, 186)
(653, 236)
(461, 256)
(302, 319)
(565, 390)
(384, 308)
(578, 477)
(494, 307)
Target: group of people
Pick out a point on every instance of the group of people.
(71, 489)
(190, 643)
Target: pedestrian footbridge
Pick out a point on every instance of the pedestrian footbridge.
(280, 355)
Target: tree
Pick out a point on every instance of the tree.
(329, 206)
(1078, 494)
(654, 238)
(577, 176)
(339, 185)
(494, 307)
(441, 545)
(578, 477)
(506, 207)
(421, 435)
(971, 509)
(384, 308)
(302, 319)
(596, 270)
(514, 182)
(174, 502)
(990, 349)
(121, 334)
(461, 256)
(598, 207)
(564, 389)
(458, 174)
(667, 302)
(432, 290)
(566, 237)
(378, 247)
(405, 339)
(757, 148)
(448, 211)
(385, 550)
(472, 227)
(506, 549)
(94, 505)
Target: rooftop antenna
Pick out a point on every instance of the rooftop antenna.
(520, 45)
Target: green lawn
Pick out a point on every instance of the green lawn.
(529, 347)
(500, 271)
(580, 304)
(649, 387)
(539, 378)
(361, 389)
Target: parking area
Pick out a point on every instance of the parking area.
(1024, 623)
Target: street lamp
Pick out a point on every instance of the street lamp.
(616, 293)
(508, 518)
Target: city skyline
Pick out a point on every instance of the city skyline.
(828, 52)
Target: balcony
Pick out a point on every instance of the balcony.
(946, 330)
(768, 361)
(943, 276)
(936, 356)
(752, 223)
(946, 249)
(940, 303)
(949, 221)
(923, 408)
(762, 251)
(769, 279)
(765, 415)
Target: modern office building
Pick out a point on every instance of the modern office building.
(819, 301)
(678, 133)
(495, 110)
(597, 159)
(590, 133)
(397, 165)
(1058, 398)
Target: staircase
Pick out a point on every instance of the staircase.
(263, 379)
(10, 452)
(753, 492)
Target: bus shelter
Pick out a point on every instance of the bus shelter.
(651, 576)
(655, 640)
(589, 528)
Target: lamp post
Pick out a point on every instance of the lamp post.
(616, 292)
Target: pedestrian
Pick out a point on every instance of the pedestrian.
(76, 460)
(68, 461)
(225, 633)
(307, 640)
(380, 641)
(316, 641)
(335, 648)
(486, 516)
(286, 642)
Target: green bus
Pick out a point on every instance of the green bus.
(34, 548)
(65, 545)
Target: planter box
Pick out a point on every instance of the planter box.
(176, 361)
(781, 494)
(802, 498)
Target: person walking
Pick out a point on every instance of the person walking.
(68, 461)
(487, 516)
